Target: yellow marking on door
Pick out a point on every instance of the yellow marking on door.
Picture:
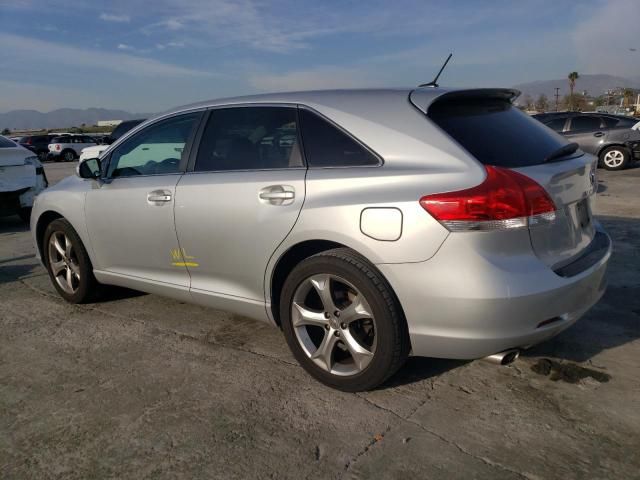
(180, 257)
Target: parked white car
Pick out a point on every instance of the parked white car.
(22, 177)
(68, 147)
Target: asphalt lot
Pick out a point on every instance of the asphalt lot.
(139, 386)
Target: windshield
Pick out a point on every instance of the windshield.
(495, 132)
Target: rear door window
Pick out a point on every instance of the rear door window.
(556, 124)
(327, 146)
(585, 123)
(495, 132)
(250, 138)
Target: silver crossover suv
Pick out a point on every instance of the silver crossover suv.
(368, 225)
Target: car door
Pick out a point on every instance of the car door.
(130, 214)
(587, 131)
(238, 203)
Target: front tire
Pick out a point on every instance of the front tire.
(342, 321)
(615, 158)
(68, 263)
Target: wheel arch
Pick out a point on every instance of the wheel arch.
(41, 226)
(297, 253)
(608, 145)
(75, 154)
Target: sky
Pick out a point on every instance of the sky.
(148, 56)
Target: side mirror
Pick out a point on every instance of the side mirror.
(89, 168)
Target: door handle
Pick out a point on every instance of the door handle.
(278, 194)
(159, 196)
(598, 134)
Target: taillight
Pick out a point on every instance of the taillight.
(506, 199)
(57, 146)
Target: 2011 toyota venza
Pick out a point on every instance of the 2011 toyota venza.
(367, 224)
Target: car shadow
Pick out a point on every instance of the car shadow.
(12, 224)
(112, 293)
(418, 369)
(13, 273)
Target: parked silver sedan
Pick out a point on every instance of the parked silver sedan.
(368, 224)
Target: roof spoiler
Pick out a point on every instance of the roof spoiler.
(423, 98)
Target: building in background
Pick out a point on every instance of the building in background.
(109, 123)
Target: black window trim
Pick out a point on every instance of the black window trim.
(198, 139)
(105, 161)
(348, 134)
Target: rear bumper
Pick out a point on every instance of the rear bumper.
(462, 305)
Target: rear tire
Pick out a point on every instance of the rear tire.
(615, 158)
(68, 155)
(68, 263)
(367, 330)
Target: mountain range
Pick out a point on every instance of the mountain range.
(62, 117)
(73, 117)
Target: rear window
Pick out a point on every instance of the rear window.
(60, 140)
(6, 143)
(495, 132)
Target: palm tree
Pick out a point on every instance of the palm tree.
(573, 76)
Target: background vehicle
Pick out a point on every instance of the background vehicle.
(68, 147)
(366, 224)
(39, 144)
(612, 138)
(121, 129)
(21, 179)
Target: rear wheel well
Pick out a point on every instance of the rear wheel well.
(45, 219)
(617, 145)
(293, 257)
(288, 261)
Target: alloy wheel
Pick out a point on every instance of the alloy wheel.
(334, 324)
(69, 157)
(63, 262)
(613, 158)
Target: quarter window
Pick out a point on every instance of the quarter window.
(156, 150)
(250, 138)
(327, 146)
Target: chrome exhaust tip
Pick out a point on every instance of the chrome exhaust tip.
(503, 358)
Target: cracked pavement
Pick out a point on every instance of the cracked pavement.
(139, 386)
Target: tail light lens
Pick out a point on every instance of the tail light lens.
(506, 199)
(57, 147)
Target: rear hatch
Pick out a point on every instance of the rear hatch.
(497, 133)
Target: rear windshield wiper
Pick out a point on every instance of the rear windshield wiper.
(563, 151)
